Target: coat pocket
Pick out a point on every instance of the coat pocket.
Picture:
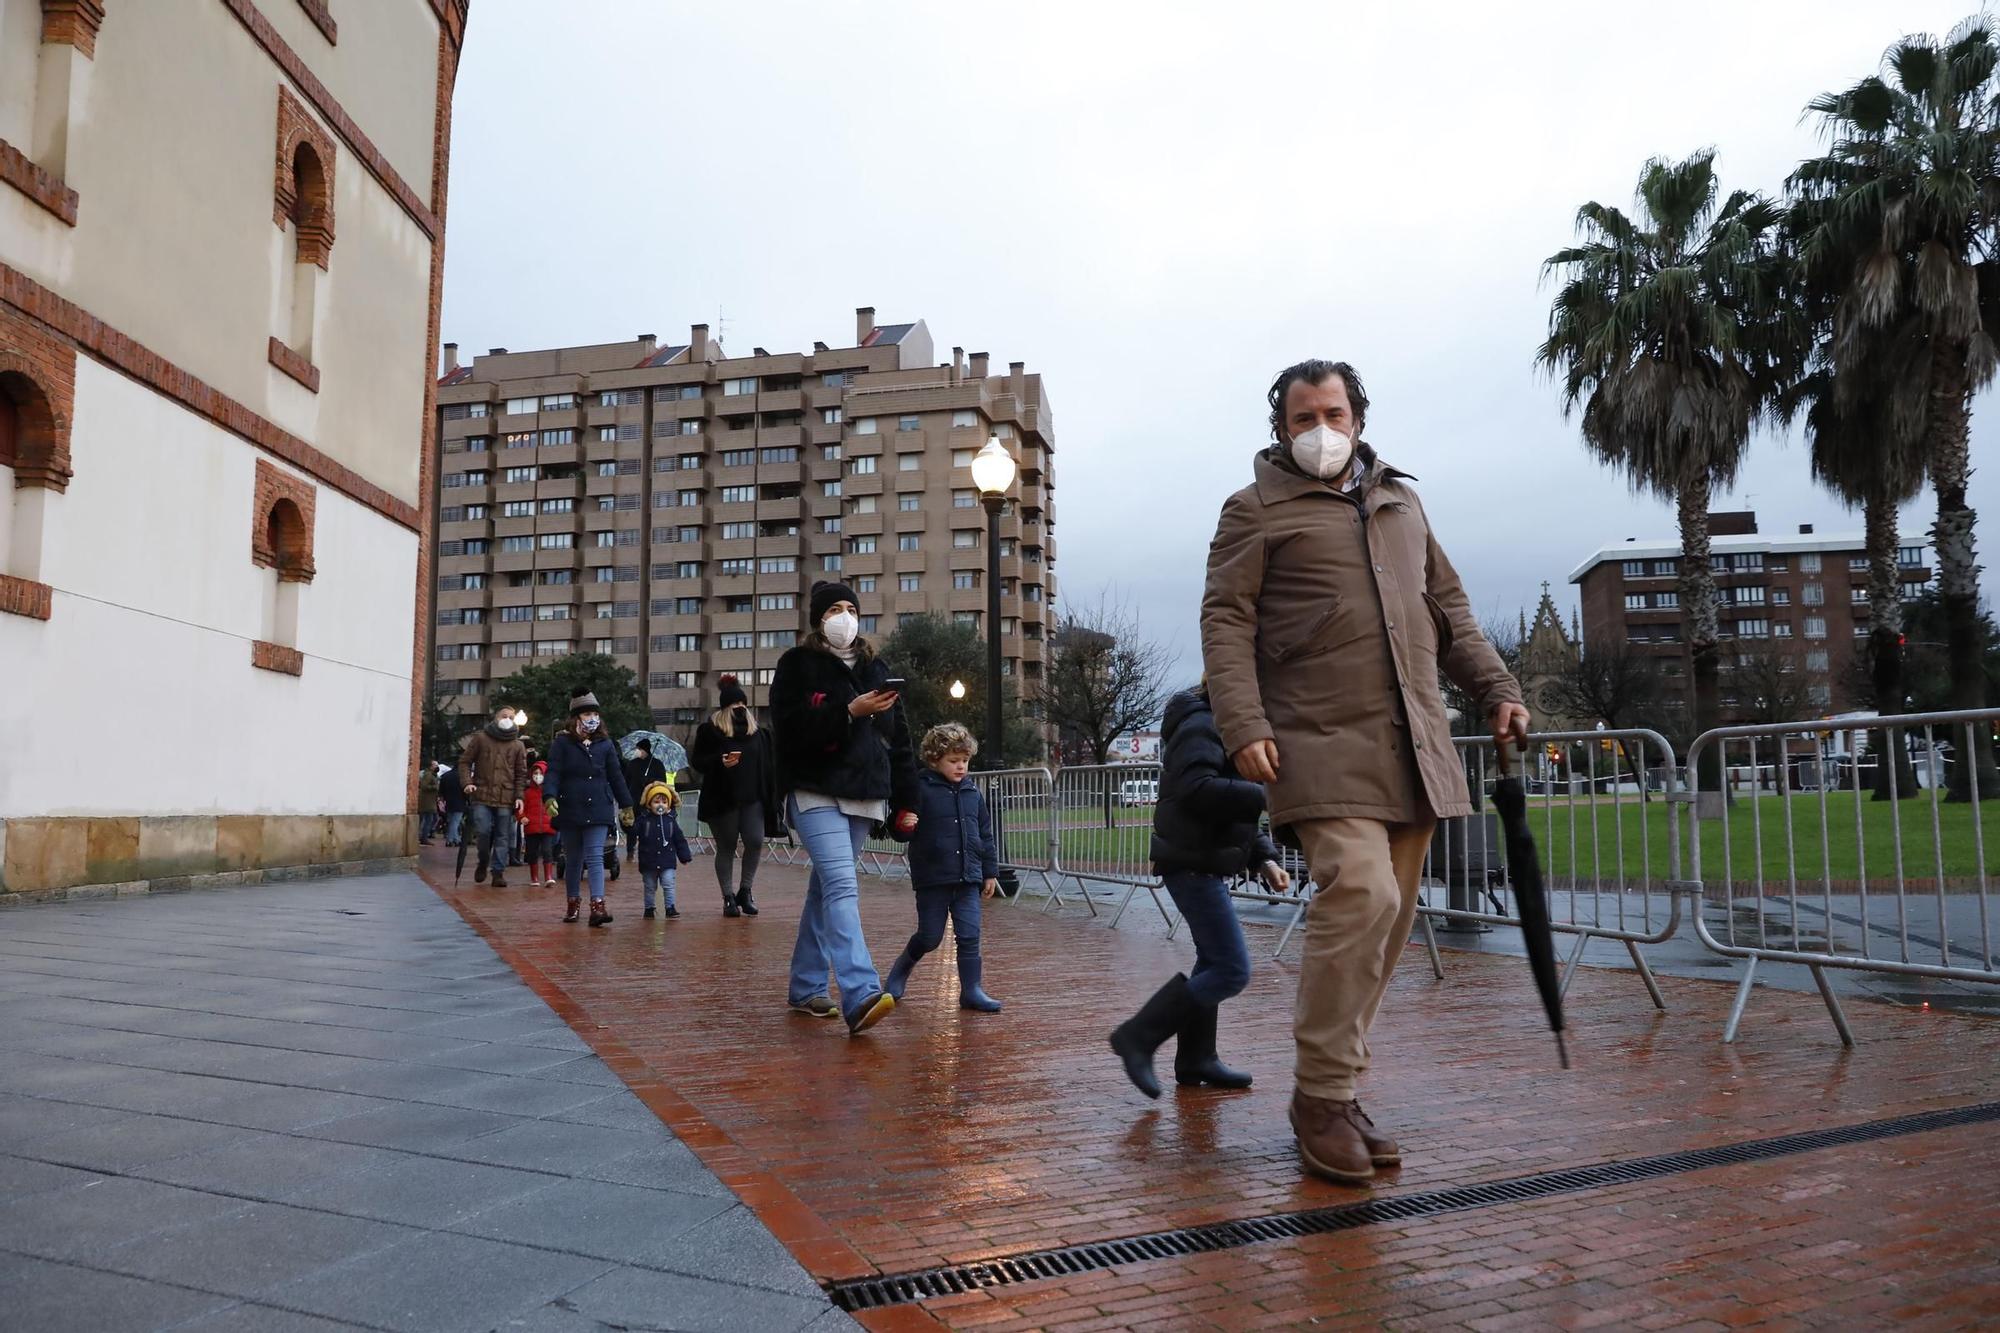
(1319, 633)
(1441, 623)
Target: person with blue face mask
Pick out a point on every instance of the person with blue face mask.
(583, 791)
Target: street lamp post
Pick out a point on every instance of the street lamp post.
(993, 471)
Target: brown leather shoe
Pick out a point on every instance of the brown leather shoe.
(1330, 1142)
(1382, 1150)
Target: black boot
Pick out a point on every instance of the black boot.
(899, 971)
(743, 903)
(729, 907)
(1139, 1036)
(1195, 1062)
(971, 968)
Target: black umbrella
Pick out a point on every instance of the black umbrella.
(1525, 869)
(464, 845)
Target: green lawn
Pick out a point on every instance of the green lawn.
(1633, 834)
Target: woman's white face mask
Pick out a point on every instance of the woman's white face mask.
(842, 629)
(1323, 452)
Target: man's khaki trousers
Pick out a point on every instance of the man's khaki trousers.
(1356, 928)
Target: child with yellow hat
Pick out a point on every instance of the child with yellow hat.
(662, 846)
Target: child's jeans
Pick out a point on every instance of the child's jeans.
(663, 882)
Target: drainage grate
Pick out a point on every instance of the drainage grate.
(1035, 1265)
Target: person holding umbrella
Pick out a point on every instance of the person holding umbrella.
(1329, 610)
(739, 792)
(583, 791)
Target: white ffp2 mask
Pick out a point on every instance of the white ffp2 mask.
(841, 629)
(1323, 452)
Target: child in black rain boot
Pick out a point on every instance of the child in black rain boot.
(954, 862)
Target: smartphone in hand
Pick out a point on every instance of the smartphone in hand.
(894, 685)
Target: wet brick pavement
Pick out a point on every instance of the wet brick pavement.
(943, 1136)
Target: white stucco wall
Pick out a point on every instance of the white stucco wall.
(138, 697)
(172, 155)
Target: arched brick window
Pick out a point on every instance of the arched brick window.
(312, 205)
(281, 541)
(285, 535)
(34, 440)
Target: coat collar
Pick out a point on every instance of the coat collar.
(929, 775)
(1278, 481)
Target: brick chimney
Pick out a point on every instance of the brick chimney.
(450, 357)
(978, 365)
(957, 364)
(1017, 378)
(864, 323)
(649, 343)
(698, 343)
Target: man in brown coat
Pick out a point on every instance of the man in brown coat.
(493, 765)
(1329, 610)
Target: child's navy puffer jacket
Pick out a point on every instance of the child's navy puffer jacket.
(954, 843)
(1208, 818)
(662, 845)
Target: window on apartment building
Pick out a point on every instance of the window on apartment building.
(782, 454)
(555, 578)
(607, 434)
(964, 581)
(689, 499)
(1857, 563)
(1781, 597)
(518, 509)
(735, 567)
(830, 489)
(517, 648)
(1910, 557)
(1634, 569)
(478, 444)
(909, 462)
(474, 478)
(832, 416)
(737, 388)
(778, 564)
(908, 541)
(1006, 548)
(909, 583)
(518, 439)
(1858, 596)
(607, 398)
(861, 546)
(1663, 568)
(738, 495)
(474, 615)
(557, 541)
(1816, 659)
(909, 422)
(910, 503)
(866, 504)
(1812, 594)
(735, 606)
(777, 638)
(477, 409)
(601, 540)
(513, 615)
(514, 476)
(474, 512)
(608, 468)
(964, 499)
(519, 406)
(965, 416)
(687, 569)
(559, 506)
(737, 641)
(552, 613)
(738, 531)
(965, 539)
(1809, 562)
(1753, 629)
(607, 504)
(738, 457)
(555, 437)
(864, 426)
(779, 601)
(1815, 627)
(1666, 600)
(558, 402)
(862, 467)
(1748, 596)
(962, 457)
(831, 564)
(517, 543)
(1637, 601)
(831, 453)
(1781, 629)
(830, 525)
(836, 379)
(1034, 593)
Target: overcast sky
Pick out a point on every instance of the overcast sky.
(1157, 206)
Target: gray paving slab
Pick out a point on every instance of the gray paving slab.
(330, 1105)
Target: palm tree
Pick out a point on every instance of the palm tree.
(1906, 198)
(1665, 332)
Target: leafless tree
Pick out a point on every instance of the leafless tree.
(1105, 677)
(1506, 641)
(1770, 682)
(1610, 682)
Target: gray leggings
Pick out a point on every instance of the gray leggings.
(745, 822)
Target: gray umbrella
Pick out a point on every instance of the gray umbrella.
(669, 753)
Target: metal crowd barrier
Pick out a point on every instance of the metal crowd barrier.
(1021, 801)
(1806, 864)
(1603, 807)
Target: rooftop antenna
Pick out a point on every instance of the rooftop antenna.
(721, 328)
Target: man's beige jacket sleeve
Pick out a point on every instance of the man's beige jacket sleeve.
(1229, 623)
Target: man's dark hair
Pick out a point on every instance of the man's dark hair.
(1317, 372)
(644, 744)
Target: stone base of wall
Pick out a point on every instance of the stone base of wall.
(42, 855)
(226, 879)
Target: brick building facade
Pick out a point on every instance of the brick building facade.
(1802, 596)
(672, 505)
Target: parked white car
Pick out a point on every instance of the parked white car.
(1139, 791)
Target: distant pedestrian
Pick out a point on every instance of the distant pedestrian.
(641, 772)
(663, 848)
(584, 789)
(844, 762)
(493, 769)
(452, 793)
(739, 792)
(1207, 828)
(427, 803)
(954, 862)
(539, 841)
